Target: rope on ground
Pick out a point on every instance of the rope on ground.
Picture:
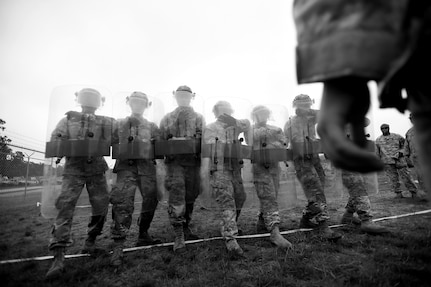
(70, 256)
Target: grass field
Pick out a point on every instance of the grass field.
(401, 258)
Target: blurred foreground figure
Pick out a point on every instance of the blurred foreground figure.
(133, 140)
(222, 140)
(390, 149)
(412, 156)
(345, 44)
(183, 129)
(300, 132)
(77, 131)
(266, 174)
(358, 202)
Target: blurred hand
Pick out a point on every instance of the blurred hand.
(346, 101)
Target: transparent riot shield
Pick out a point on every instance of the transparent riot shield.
(314, 172)
(133, 148)
(179, 144)
(78, 138)
(226, 156)
(271, 159)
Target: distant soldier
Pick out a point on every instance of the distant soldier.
(358, 202)
(411, 154)
(266, 175)
(182, 170)
(134, 171)
(390, 149)
(300, 131)
(76, 128)
(225, 171)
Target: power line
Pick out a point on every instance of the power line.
(26, 148)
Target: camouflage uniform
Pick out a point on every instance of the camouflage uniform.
(412, 153)
(132, 174)
(182, 171)
(309, 170)
(266, 177)
(80, 171)
(359, 201)
(225, 175)
(388, 149)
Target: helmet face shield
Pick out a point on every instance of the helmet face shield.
(137, 105)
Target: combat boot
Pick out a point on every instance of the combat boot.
(144, 222)
(349, 218)
(278, 239)
(369, 226)
(238, 212)
(188, 233)
(326, 232)
(57, 266)
(179, 243)
(260, 226)
(307, 223)
(89, 245)
(117, 254)
(233, 248)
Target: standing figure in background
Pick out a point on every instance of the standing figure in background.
(266, 175)
(182, 170)
(134, 172)
(80, 171)
(390, 149)
(225, 170)
(300, 132)
(412, 157)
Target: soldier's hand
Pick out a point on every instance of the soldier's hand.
(346, 101)
(400, 154)
(227, 119)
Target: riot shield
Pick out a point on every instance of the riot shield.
(78, 138)
(133, 148)
(271, 158)
(313, 170)
(226, 155)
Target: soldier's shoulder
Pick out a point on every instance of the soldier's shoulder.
(73, 115)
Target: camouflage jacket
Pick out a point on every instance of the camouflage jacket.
(298, 128)
(272, 136)
(184, 123)
(225, 135)
(141, 130)
(388, 148)
(410, 147)
(80, 126)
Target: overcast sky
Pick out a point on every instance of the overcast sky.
(241, 48)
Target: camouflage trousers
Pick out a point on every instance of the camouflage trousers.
(419, 173)
(123, 198)
(183, 185)
(359, 201)
(70, 191)
(394, 173)
(312, 182)
(266, 188)
(230, 199)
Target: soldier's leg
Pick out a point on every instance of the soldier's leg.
(122, 199)
(70, 191)
(97, 188)
(319, 169)
(392, 174)
(265, 189)
(419, 173)
(238, 192)
(192, 183)
(221, 183)
(407, 179)
(175, 186)
(354, 184)
(148, 188)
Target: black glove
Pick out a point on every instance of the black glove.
(228, 120)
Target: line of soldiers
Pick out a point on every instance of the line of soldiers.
(190, 151)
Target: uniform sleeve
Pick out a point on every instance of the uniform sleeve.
(163, 128)
(407, 150)
(155, 132)
(60, 129)
(288, 131)
(378, 153)
(115, 133)
(200, 124)
(402, 142)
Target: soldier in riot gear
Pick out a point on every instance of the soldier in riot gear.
(225, 170)
(133, 139)
(266, 172)
(78, 132)
(300, 131)
(182, 128)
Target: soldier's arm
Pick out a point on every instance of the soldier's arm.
(407, 150)
(60, 131)
(287, 132)
(402, 142)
